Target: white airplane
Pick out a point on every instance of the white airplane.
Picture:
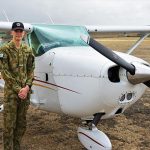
(80, 77)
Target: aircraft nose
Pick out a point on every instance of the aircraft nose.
(142, 74)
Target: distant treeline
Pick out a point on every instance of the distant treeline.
(99, 35)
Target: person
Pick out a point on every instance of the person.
(18, 72)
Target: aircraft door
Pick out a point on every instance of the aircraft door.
(44, 83)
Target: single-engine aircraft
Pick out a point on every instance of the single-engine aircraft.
(74, 73)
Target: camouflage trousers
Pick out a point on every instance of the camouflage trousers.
(15, 111)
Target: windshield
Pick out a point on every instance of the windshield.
(46, 37)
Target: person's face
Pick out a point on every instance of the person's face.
(18, 34)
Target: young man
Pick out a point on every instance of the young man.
(17, 71)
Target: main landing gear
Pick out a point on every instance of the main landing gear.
(91, 137)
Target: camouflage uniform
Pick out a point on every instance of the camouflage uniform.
(17, 72)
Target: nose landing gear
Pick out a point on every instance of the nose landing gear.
(91, 137)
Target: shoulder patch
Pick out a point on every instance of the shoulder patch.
(4, 48)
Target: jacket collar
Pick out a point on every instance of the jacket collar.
(12, 45)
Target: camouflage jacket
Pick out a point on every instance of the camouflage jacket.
(17, 66)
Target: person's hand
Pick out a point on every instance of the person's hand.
(24, 92)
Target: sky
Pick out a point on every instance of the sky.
(77, 12)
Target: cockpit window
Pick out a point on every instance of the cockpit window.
(46, 37)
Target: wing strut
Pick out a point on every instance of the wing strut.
(137, 43)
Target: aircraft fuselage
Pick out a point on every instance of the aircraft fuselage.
(79, 81)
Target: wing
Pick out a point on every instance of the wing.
(6, 27)
(141, 31)
(119, 29)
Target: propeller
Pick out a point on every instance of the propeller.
(108, 53)
(136, 75)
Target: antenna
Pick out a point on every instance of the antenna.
(5, 15)
(50, 18)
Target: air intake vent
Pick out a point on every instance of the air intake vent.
(113, 74)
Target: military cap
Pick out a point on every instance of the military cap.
(17, 25)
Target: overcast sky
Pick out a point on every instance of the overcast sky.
(79, 12)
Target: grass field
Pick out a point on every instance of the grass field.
(129, 131)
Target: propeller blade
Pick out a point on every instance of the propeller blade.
(109, 54)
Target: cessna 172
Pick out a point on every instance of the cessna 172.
(74, 74)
